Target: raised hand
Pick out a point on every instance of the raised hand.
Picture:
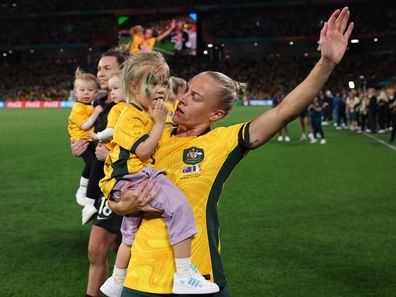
(159, 111)
(335, 35)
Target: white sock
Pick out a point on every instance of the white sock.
(183, 266)
(89, 201)
(119, 275)
(83, 182)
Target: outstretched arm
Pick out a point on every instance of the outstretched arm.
(333, 42)
(167, 32)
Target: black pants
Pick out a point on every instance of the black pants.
(372, 121)
(93, 190)
(363, 119)
(393, 120)
(382, 117)
(317, 128)
(88, 157)
(342, 118)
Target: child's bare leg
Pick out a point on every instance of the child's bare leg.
(182, 251)
(113, 285)
(123, 256)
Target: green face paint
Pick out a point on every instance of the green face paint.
(150, 79)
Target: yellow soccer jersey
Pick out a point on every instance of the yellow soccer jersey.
(115, 113)
(148, 45)
(132, 128)
(78, 116)
(113, 117)
(199, 166)
(135, 44)
(171, 111)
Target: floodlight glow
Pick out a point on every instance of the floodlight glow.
(210, 45)
(351, 84)
(354, 40)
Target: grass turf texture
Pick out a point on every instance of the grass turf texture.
(297, 219)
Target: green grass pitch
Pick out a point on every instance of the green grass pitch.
(297, 219)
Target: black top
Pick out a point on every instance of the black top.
(101, 121)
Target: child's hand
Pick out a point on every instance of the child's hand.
(98, 108)
(159, 111)
(93, 136)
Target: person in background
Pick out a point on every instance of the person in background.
(315, 113)
(283, 133)
(372, 111)
(176, 89)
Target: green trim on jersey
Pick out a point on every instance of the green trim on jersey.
(139, 141)
(120, 167)
(136, 106)
(212, 222)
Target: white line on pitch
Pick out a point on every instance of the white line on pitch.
(392, 147)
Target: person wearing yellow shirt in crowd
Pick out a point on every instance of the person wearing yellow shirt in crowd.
(145, 42)
(176, 88)
(137, 37)
(199, 161)
(81, 121)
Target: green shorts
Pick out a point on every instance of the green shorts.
(126, 292)
(105, 218)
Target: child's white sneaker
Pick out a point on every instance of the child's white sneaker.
(280, 138)
(323, 141)
(287, 138)
(193, 283)
(82, 191)
(313, 140)
(111, 288)
(88, 211)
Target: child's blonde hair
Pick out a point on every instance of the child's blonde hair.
(140, 66)
(136, 29)
(174, 84)
(118, 76)
(84, 76)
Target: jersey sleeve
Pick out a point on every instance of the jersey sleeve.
(113, 116)
(79, 114)
(244, 137)
(130, 131)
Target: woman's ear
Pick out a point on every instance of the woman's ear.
(217, 115)
(132, 87)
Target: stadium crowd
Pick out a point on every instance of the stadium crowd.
(51, 78)
(54, 30)
(301, 20)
